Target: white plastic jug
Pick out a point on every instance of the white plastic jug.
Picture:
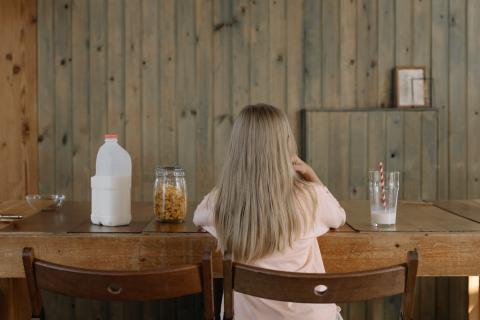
(111, 185)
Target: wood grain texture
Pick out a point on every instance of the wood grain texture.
(343, 251)
(46, 98)
(98, 76)
(330, 53)
(133, 111)
(311, 54)
(343, 145)
(312, 46)
(277, 53)
(224, 59)
(80, 100)
(63, 98)
(149, 80)
(18, 91)
(336, 54)
(440, 72)
(367, 53)
(204, 165)
(457, 61)
(473, 97)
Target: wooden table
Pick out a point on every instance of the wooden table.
(448, 243)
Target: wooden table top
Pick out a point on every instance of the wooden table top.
(448, 243)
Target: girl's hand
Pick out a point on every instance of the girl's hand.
(304, 170)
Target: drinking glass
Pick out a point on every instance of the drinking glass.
(383, 201)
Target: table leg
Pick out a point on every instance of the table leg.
(473, 298)
(14, 300)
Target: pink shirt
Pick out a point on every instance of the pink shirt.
(303, 256)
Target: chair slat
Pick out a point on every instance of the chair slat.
(162, 283)
(321, 287)
(300, 287)
(115, 285)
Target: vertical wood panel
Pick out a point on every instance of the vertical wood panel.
(375, 309)
(426, 298)
(358, 155)
(204, 60)
(133, 103)
(348, 53)
(458, 297)
(18, 129)
(367, 53)
(149, 78)
(46, 101)
(429, 151)
(376, 139)
(394, 148)
(63, 98)
(330, 57)
(473, 99)
(259, 53)
(115, 74)
(240, 57)
(338, 171)
(222, 76)
(317, 144)
(98, 77)
(386, 51)
(185, 91)
(295, 60)
(277, 55)
(403, 32)
(439, 63)
(412, 156)
(167, 123)
(312, 47)
(80, 101)
(457, 100)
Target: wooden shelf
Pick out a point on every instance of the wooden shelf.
(372, 109)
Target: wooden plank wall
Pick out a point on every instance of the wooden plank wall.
(404, 140)
(18, 122)
(170, 76)
(18, 93)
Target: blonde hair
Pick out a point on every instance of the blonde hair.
(256, 207)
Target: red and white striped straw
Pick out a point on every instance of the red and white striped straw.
(382, 184)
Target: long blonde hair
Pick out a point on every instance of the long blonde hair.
(256, 207)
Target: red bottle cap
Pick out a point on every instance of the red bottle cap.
(111, 136)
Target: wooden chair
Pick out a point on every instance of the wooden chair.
(321, 287)
(162, 283)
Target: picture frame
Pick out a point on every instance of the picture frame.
(411, 87)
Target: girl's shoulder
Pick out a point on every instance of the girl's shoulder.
(208, 201)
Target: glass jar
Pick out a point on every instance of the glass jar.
(170, 195)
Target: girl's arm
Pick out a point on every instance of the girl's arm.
(304, 170)
(203, 215)
(330, 211)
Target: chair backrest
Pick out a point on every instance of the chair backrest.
(162, 283)
(321, 287)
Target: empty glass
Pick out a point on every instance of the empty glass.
(383, 201)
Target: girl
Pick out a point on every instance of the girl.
(268, 209)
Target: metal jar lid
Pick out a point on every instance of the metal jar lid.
(170, 171)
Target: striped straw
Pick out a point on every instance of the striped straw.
(382, 184)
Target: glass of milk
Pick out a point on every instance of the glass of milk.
(383, 201)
